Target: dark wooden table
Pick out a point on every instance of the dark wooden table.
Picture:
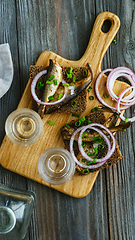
(64, 27)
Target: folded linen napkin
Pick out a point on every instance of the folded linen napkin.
(6, 68)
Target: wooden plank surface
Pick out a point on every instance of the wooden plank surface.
(24, 160)
(64, 27)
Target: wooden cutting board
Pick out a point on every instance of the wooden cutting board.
(23, 160)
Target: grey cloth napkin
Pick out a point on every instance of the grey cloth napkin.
(6, 68)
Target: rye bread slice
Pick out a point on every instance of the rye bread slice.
(81, 99)
(95, 117)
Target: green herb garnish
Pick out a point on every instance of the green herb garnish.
(67, 125)
(85, 171)
(65, 84)
(74, 79)
(94, 109)
(55, 82)
(48, 82)
(39, 85)
(91, 97)
(89, 122)
(96, 138)
(52, 76)
(100, 147)
(105, 84)
(114, 41)
(69, 75)
(86, 135)
(85, 73)
(51, 123)
(51, 98)
(73, 103)
(83, 144)
(106, 95)
(75, 143)
(127, 120)
(70, 70)
(60, 96)
(89, 89)
(83, 160)
(90, 154)
(96, 150)
(78, 123)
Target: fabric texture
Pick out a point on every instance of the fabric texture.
(6, 69)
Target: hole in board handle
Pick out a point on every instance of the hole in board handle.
(106, 26)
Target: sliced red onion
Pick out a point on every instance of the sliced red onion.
(110, 149)
(119, 102)
(99, 164)
(113, 75)
(33, 86)
(74, 157)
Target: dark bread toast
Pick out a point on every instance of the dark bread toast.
(81, 99)
(95, 117)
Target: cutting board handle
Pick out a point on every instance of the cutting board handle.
(100, 41)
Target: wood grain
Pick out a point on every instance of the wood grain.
(64, 27)
(23, 160)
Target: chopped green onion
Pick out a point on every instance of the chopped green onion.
(85, 171)
(100, 147)
(127, 120)
(89, 89)
(124, 130)
(69, 75)
(73, 103)
(88, 163)
(86, 135)
(82, 119)
(39, 85)
(83, 160)
(78, 123)
(51, 123)
(85, 73)
(75, 115)
(60, 96)
(74, 79)
(106, 95)
(48, 82)
(55, 82)
(94, 160)
(70, 70)
(96, 150)
(67, 125)
(94, 109)
(51, 98)
(96, 138)
(83, 144)
(89, 122)
(114, 41)
(52, 76)
(90, 154)
(65, 84)
(91, 97)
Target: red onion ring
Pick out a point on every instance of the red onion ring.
(119, 101)
(33, 86)
(110, 149)
(74, 157)
(82, 130)
(113, 75)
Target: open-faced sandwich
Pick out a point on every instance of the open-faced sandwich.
(90, 139)
(59, 89)
(91, 142)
